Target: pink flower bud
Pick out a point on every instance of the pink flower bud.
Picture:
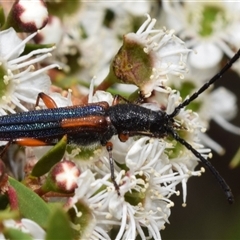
(62, 177)
(29, 15)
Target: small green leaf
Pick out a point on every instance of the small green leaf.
(59, 226)
(53, 156)
(30, 204)
(16, 234)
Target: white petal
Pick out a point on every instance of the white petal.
(115, 207)
(223, 102)
(8, 41)
(34, 229)
(83, 182)
(208, 56)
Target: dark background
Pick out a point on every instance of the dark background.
(208, 215)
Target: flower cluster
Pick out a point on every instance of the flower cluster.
(147, 171)
(19, 82)
(119, 186)
(210, 30)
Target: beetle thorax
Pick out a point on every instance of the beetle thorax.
(160, 123)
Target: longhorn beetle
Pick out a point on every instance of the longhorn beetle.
(98, 122)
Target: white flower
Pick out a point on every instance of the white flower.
(19, 83)
(89, 200)
(26, 226)
(148, 175)
(160, 54)
(222, 107)
(210, 28)
(93, 35)
(93, 52)
(147, 186)
(188, 124)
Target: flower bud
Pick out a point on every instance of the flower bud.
(131, 64)
(148, 57)
(62, 178)
(27, 15)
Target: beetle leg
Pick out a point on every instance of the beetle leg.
(140, 98)
(124, 135)
(48, 101)
(109, 147)
(119, 99)
(30, 142)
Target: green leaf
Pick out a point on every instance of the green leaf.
(30, 204)
(16, 234)
(59, 226)
(53, 156)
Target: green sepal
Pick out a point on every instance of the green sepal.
(186, 89)
(16, 234)
(63, 8)
(9, 214)
(211, 14)
(135, 197)
(2, 16)
(66, 82)
(8, 21)
(30, 205)
(59, 226)
(131, 65)
(86, 153)
(53, 156)
(82, 221)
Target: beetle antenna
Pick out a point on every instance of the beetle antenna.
(206, 85)
(206, 163)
